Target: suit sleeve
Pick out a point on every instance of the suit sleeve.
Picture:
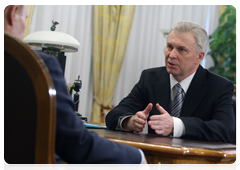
(74, 143)
(129, 106)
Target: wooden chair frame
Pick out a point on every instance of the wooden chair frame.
(45, 94)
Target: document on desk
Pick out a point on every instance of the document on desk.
(88, 125)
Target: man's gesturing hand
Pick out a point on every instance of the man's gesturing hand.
(163, 123)
(137, 122)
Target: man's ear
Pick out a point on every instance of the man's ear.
(200, 57)
(11, 13)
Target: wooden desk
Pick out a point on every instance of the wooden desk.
(169, 150)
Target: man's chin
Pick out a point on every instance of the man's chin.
(171, 70)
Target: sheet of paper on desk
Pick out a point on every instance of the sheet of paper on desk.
(94, 126)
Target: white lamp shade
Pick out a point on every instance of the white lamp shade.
(165, 32)
(45, 39)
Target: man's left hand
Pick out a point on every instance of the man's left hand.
(163, 123)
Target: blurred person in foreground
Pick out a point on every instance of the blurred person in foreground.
(74, 143)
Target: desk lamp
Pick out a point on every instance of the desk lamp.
(54, 43)
(77, 88)
(165, 32)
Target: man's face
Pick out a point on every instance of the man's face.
(20, 22)
(181, 56)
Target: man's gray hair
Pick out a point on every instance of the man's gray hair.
(198, 32)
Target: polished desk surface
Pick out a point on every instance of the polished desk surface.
(173, 150)
(167, 153)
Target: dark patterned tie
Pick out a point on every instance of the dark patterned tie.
(176, 104)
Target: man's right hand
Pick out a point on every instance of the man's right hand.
(137, 122)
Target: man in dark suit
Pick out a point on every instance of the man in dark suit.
(205, 106)
(74, 143)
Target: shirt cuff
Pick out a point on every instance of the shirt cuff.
(120, 120)
(142, 156)
(179, 127)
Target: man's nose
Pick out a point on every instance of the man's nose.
(173, 53)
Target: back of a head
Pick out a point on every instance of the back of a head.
(15, 20)
(198, 32)
(19, 6)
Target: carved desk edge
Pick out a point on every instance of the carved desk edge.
(223, 150)
(179, 150)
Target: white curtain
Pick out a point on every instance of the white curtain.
(145, 47)
(146, 43)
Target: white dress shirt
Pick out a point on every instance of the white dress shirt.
(179, 128)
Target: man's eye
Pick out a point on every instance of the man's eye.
(182, 50)
(169, 46)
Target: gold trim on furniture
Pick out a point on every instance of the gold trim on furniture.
(158, 149)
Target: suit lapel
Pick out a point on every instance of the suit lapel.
(162, 90)
(196, 92)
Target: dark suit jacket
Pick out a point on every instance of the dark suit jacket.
(74, 143)
(207, 111)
